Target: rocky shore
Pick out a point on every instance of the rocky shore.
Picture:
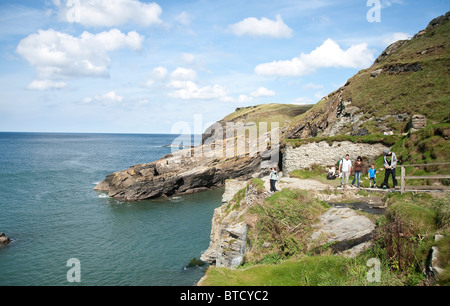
(191, 170)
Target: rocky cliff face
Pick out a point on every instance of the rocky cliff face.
(345, 228)
(230, 226)
(404, 81)
(193, 170)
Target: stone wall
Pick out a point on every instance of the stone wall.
(325, 155)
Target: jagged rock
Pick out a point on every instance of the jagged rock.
(418, 122)
(376, 73)
(3, 239)
(231, 188)
(360, 132)
(400, 68)
(349, 231)
(391, 49)
(228, 234)
(178, 174)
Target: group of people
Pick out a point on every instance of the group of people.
(346, 166)
(345, 169)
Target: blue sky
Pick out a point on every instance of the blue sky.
(129, 66)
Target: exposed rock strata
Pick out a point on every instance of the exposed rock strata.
(192, 170)
(228, 232)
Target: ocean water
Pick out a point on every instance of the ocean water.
(50, 210)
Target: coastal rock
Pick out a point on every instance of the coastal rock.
(195, 169)
(349, 231)
(177, 174)
(231, 188)
(228, 233)
(3, 239)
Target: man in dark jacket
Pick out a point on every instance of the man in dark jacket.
(390, 163)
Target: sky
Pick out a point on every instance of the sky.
(137, 66)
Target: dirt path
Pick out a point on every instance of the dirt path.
(295, 183)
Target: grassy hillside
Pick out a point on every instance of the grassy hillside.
(410, 77)
(282, 114)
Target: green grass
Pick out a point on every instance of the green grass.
(424, 92)
(306, 271)
(284, 221)
(369, 139)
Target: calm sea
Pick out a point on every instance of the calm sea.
(50, 210)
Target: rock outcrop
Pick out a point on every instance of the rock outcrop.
(228, 232)
(3, 239)
(192, 170)
(349, 232)
(417, 122)
(383, 89)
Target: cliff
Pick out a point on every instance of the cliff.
(253, 223)
(409, 78)
(405, 89)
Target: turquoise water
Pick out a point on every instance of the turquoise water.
(50, 210)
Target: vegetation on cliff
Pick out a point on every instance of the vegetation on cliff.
(409, 78)
(282, 255)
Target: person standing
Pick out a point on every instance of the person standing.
(372, 176)
(390, 163)
(273, 179)
(345, 167)
(358, 166)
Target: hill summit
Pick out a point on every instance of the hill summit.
(411, 77)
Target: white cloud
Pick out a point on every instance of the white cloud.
(184, 18)
(394, 37)
(187, 58)
(188, 90)
(262, 27)
(303, 101)
(184, 74)
(312, 86)
(263, 92)
(107, 13)
(57, 55)
(245, 99)
(46, 84)
(106, 99)
(329, 54)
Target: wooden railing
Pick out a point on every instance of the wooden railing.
(403, 177)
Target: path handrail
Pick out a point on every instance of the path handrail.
(404, 177)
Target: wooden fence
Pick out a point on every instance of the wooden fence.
(403, 177)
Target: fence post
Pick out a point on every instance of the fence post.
(402, 180)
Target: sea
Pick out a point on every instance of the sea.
(66, 234)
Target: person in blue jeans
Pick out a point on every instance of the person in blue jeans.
(273, 179)
(358, 166)
(372, 176)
